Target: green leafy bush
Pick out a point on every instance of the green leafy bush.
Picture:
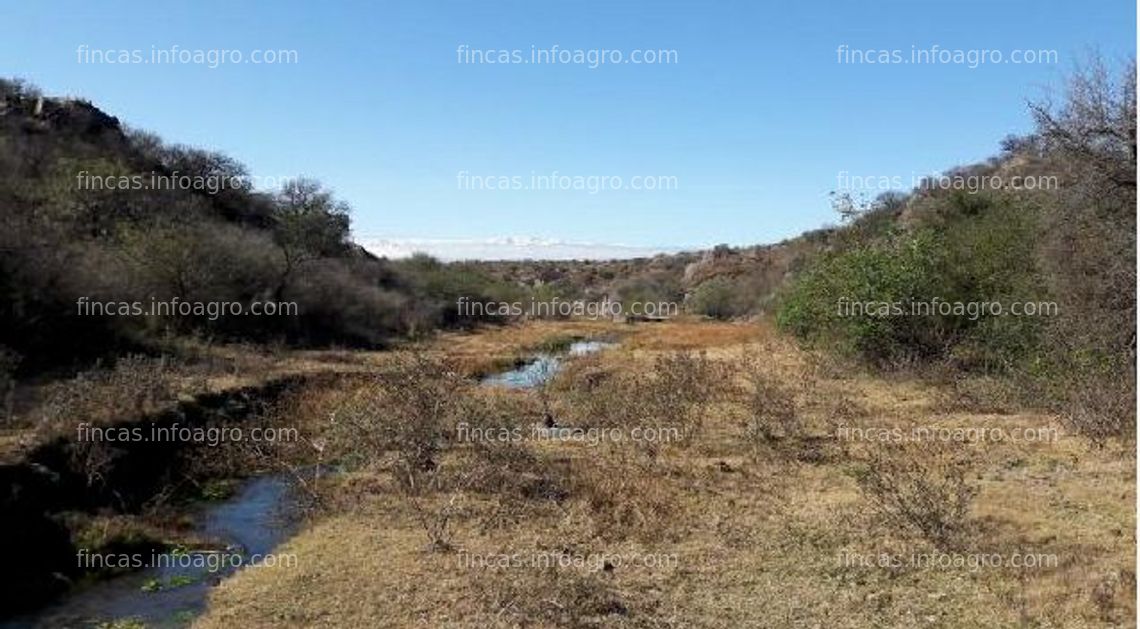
(719, 298)
(928, 292)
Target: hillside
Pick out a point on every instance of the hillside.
(104, 225)
(693, 278)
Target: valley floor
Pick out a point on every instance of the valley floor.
(725, 529)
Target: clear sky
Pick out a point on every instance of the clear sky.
(749, 126)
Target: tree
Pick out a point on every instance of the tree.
(308, 223)
(1095, 127)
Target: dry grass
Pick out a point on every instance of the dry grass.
(496, 348)
(138, 386)
(757, 540)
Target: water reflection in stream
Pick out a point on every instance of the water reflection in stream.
(541, 368)
(251, 524)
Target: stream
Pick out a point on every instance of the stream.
(252, 522)
(542, 368)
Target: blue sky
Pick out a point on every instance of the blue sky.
(752, 123)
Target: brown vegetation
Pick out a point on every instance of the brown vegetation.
(752, 533)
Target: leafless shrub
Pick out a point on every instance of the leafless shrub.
(495, 432)
(772, 410)
(1095, 124)
(782, 418)
(984, 394)
(625, 496)
(1101, 409)
(405, 419)
(1108, 593)
(93, 459)
(409, 410)
(825, 365)
(922, 487)
(678, 390)
(544, 372)
(590, 394)
(134, 386)
(584, 374)
(424, 402)
(436, 519)
(843, 409)
(1089, 248)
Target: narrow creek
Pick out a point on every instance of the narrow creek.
(543, 367)
(251, 523)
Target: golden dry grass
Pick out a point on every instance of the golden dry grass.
(758, 539)
(200, 369)
(495, 348)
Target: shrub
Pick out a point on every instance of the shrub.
(135, 385)
(224, 242)
(921, 487)
(625, 497)
(679, 390)
(654, 288)
(437, 288)
(1100, 407)
(898, 271)
(340, 302)
(502, 464)
(409, 410)
(719, 298)
(1089, 249)
(1072, 245)
(860, 299)
(403, 419)
(772, 412)
(672, 395)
